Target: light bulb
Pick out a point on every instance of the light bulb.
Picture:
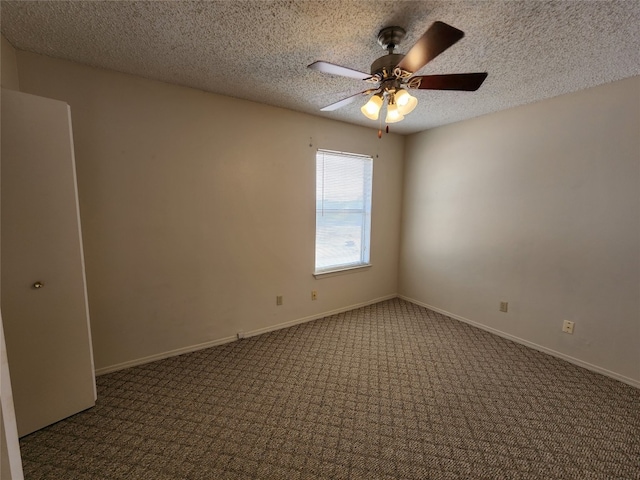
(405, 101)
(393, 114)
(402, 98)
(371, 109)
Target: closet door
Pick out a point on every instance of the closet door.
(44, 299)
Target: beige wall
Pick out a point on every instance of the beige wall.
(9, 65)
(538, 206)
(198, 209)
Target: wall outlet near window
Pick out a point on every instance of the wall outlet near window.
(279, 300)
(314, 295)
(567, 327)
(504, 306)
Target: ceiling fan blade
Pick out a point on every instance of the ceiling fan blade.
(345, 101)
(469, 82)
(435, 40)
(330, 68)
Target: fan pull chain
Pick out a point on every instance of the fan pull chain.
(380, 129)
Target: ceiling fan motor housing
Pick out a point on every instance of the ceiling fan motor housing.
(385, 65)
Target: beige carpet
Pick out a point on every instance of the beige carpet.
(389, 391)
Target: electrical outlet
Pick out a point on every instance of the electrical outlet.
(567, 327)
(279, 300)
(504, 306)
(314, 295)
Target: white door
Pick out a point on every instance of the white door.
(44, 298)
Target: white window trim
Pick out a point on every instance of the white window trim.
(341, 271)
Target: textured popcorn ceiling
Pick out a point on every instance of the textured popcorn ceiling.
(259, 49)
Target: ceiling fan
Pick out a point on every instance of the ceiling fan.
(393, 74)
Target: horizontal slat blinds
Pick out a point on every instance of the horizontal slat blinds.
(343, 210)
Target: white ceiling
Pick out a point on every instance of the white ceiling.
(259, 49)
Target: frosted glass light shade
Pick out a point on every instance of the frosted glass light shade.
(406, 102)
(393, 114)
(371, 109)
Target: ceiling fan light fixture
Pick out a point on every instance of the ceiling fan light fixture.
(371, 109)
(405, 101)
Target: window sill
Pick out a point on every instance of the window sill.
(340, 271)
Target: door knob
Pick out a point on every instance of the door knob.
(38, 285)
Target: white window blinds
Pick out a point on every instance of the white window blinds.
(343, 210)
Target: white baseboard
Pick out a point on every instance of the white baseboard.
(291, 323)
(221, 341)
(160, 356)
(535, 346)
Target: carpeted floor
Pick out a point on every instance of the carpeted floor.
(389, 391)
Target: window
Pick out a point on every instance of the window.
(343, 210)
